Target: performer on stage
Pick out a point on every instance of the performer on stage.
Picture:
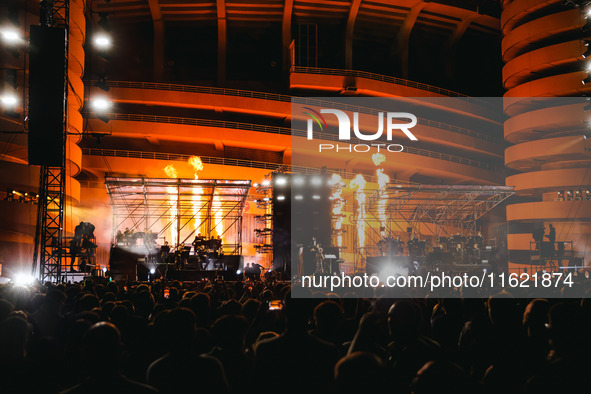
(316, 249)
(198, 243)
(538, 236)
(164, 252)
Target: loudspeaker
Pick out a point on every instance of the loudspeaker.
(233, 262)
(47, 64)
(123, 264)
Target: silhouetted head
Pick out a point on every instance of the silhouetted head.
(359, 372)
(102, 347)
(14, 335)
(567, 331)
(535, 315)
(228, 331)
(328, 316)
(6, 308)
(403, 320)
(502, 311)
(180, 329)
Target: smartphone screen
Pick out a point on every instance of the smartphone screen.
(275, 305)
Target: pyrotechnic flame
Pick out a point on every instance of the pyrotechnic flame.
(337, 207)
(196, 163)
(383, 180)
(357, 185)
(378, 158)
(170, 171)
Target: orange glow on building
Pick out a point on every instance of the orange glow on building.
(210, 97)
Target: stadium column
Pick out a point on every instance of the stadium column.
(404, 36)
(158, 22)
(222, 41)
(451, 44)
(353, 11)
(286, 38)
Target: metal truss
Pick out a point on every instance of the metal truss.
(48, 248)
(439, 207)
(431, 211)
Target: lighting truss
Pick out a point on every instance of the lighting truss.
(439, 207)
(181, 207)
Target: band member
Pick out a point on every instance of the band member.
(398, 246)
(150, 239)
(88, 235)
(316, 249)
(184, 254)
(75, 244)
(164, 252)
(74, 250)
(253, 271)
(538, 236)
(551, 240)
(257, 270)
(198, 242)
(119, 238)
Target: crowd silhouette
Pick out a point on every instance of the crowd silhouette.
(230, 337)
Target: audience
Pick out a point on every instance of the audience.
(233, 337)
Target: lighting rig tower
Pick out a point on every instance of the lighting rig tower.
(52, 184)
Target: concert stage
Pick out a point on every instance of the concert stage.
(184, 226)
(432, 227)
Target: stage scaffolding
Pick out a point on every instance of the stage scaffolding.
(430, 211)
(176, 210)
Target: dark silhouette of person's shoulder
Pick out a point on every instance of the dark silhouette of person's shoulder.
(119, 385)
(173, 373)
(303, 340)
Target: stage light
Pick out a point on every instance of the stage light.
(298, 180)
(152, 271)
(102, 41)
(101, 104)
(280, 181)
(9, 100)
(316, 197)
(266, 182)
(316, 181)
(238, 272)
(587, 53)
(10, 36)
(299, 197)
(23, 279)
(280, 198)
(105, 270)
